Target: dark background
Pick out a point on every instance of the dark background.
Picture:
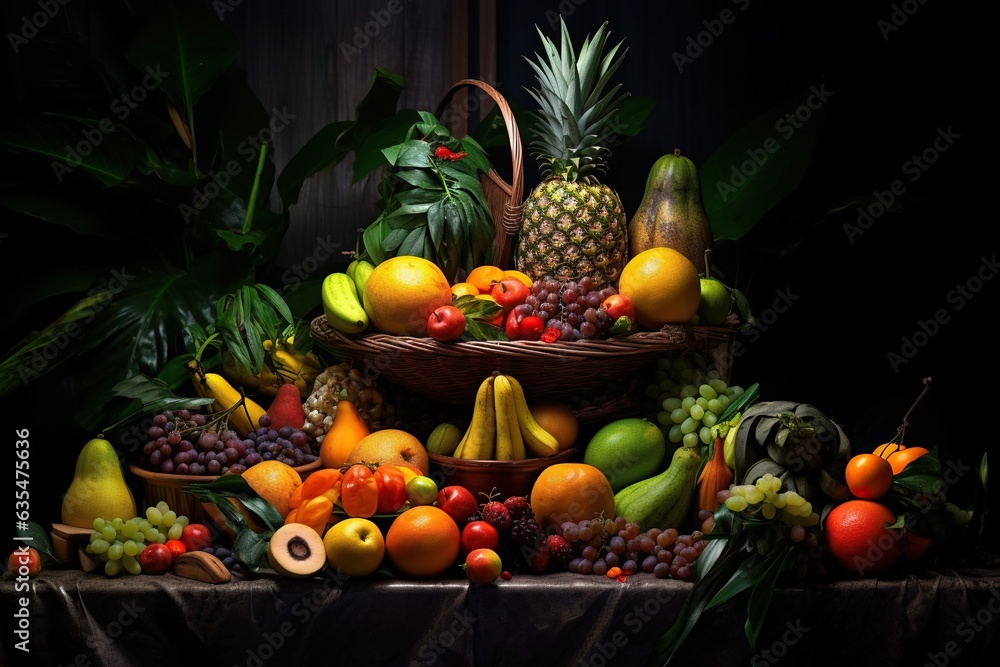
(890, 95)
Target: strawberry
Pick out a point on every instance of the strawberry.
(560, 550)
(497, 515)
(517, 506)
(540, 559)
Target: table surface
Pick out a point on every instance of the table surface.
(943, 616)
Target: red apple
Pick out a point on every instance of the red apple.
(479, 535)
(617, 305)
(155, 559)
(446, 323)
(458, 503)
(196, 537)
(25, 562)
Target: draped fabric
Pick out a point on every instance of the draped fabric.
(935, 617)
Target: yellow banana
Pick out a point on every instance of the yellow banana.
(341, 306)
(243, 419)
(481, 442)
(536, 438)
(510, 444)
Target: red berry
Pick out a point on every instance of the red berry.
(497, 515)
(560, 550)
(506, 576)
(540, 559)
(517, 506)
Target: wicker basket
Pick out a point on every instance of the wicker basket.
(451, 372)
(505, 200)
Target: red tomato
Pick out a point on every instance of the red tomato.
(391, 488)
(359, 491)
(509, 292)
(446, 323)
(176, 547)
(479, 535)
(483, 566)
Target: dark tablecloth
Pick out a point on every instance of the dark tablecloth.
(942, 617)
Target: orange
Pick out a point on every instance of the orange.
(402, 292)
(888, 449)
(868, 476)
(461, 289)
(858, 537)
(423, 541)
(899, 460)
(663, 285)
(571, 492)
(393, 446)
(523, 277)
(275, 482)
(484, 276)
(558, 419)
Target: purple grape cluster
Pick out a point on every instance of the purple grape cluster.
(186, 443)
(574, 307)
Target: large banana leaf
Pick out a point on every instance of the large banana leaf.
(187, 48)
(328, 147)
(760, 165)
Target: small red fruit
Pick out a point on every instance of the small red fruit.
(483, 566)
(618, 305)
(155, 559)
(458, 503)
(479, 535)
(25, 562)
(509, 292)
(196, 537)
(176, 547)
(446, 323)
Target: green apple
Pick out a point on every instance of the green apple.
(421, 490)
(716, 301)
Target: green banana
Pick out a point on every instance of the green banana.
(343, 310)
(362, 270)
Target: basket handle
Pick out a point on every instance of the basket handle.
(508, 222)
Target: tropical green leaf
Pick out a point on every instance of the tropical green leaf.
(779, 560)
(53, 205)
(184, 48)
(390, 131)
(757, 167)
(237, 241)
(154, 395)
(632, 115)
(477, 330)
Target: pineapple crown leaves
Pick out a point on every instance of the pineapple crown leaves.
(574, 139)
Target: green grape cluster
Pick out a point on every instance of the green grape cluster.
(689, 401)
(118, 542)
(765, 499)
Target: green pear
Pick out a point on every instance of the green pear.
(98, 488)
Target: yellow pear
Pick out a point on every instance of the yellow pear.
(98, 488)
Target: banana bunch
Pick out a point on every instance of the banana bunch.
(290, 365)
(502, 427)
(341, 303)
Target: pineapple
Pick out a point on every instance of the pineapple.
(574, 225)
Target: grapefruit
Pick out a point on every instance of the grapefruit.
(402, 292)
(571, 492)
(393, 446)
(663, 285)
(858, 536)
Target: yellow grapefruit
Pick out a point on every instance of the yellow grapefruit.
(402, 292)
(663, 285)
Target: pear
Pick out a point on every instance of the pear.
(716, 300)
(98, 488)
(286, 408)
